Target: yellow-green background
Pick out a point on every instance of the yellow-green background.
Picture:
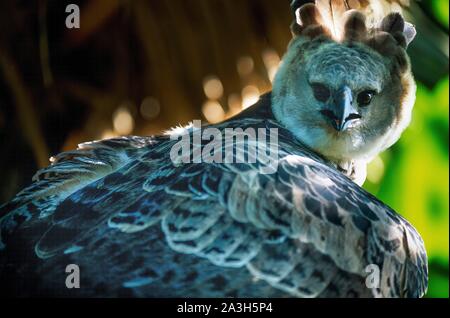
(415, 173)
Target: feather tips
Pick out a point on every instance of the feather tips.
(353, 20)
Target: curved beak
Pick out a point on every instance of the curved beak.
(341, 112)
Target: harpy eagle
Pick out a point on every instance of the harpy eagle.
(139, 224)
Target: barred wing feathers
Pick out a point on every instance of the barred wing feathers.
(140, 225)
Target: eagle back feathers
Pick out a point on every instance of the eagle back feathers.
(305, 230)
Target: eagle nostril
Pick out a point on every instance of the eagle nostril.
(352, 117)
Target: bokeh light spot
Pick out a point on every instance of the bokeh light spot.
(213, 111)
(123, 122)
(245, 66)
(250, 95)
(212, 86)
(150, 108)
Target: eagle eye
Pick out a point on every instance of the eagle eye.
(365, 97)
(321, 92)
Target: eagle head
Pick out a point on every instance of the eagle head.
(345, 88)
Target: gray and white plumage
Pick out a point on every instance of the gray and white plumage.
(139, 225)
(347, 53)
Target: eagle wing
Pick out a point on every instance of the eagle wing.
(305, 230)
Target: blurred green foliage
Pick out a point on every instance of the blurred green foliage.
(412, 176)
(440, 10)
(415, 179)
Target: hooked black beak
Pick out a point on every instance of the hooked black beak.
(341, 112)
